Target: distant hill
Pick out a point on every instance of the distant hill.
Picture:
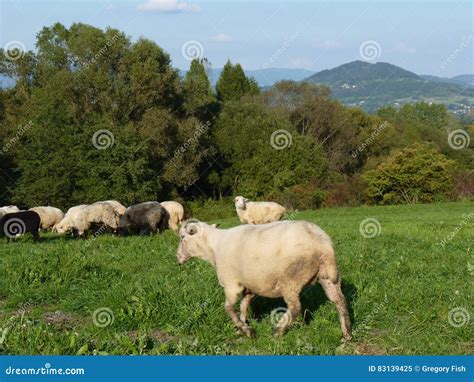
(463, 79)
(374, 85)
(265, 77)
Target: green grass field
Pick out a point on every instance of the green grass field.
(401, 287)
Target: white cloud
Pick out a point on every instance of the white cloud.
(222, 37)
(168, 6)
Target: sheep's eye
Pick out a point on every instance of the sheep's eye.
(182, 236)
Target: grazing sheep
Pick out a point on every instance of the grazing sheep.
(69, 220)
(257, 212)
(143, 218)
(8, 209)
(99, 213)
(119, 207)
(18, 223)
(176, 214)
(273, 260)
(50, 216)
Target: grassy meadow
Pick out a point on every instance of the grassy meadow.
(111, 295)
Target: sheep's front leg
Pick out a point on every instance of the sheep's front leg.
(231, 297)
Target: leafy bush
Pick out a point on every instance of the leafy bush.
(209, 209)
(416, 174)
(347, 191)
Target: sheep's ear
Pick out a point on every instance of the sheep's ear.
(191, 229)
(215, 225)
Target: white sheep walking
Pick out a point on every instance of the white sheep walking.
(273, 260)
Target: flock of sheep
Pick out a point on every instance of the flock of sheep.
(111, 215)
(264, 256)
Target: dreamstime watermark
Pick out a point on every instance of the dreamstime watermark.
(465, 221)
(14, 227)
(192, 50)
(370, 50)
(355, 153)
(370, 228)
(22, 130)
(103, 317)
(277, 54)
(459, 139)
(46, 370)
(190, 142)
(103, 139)
(458, 317)
(470, 267)
(281, 139)
(368, 320)
(280, 317)
(102, 229)
(195, 315)
(102, 51)
(14, 50)
(20, 312)
(465, 42)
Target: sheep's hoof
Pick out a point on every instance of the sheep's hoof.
(249, 332)
(346, 338)
(278, 332)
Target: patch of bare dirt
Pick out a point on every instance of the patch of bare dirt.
(155, 334)
(62, 319)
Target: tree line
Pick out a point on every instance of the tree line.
(95, 116)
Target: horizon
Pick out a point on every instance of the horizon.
(433, 38)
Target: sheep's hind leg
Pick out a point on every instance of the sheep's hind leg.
(244, 305)
(231, 297)
(294, 309)
(334, 293)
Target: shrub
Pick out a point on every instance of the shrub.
(348, 191)
(209, 209)
(416, 174)
(463, 185)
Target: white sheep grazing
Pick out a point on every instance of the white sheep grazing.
(49, 216)
(67, 223)
(119, 207)
(257, 212)
(272, 260)
(8, 210)
(97, 213)
(176, 212)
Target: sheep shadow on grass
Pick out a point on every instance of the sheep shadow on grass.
(312, 297)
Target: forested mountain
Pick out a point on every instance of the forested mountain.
(374, 85)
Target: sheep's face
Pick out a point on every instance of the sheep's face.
(240, 202)
(193, 242)
(61, 228)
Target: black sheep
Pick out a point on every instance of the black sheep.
(143, 218)
(19, 223)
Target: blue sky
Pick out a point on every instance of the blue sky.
(419, 36)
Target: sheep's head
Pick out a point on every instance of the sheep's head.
(193, 241)
(61, 227)
(240, 202)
